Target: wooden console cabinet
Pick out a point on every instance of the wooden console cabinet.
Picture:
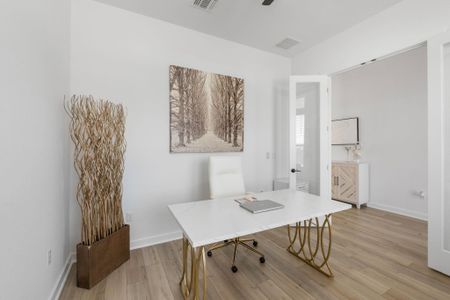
(350, 182)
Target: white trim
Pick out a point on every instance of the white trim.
(438, 254)
(399, 211)
(422, 44)
(135, 244)
(57, 289)
(155, 239)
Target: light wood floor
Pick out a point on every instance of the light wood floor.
(375, 255)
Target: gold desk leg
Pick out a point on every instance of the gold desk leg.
(314, 253)
(194, 263)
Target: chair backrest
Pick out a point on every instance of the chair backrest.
(225, 176)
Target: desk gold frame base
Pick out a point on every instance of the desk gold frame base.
(318, 254)
(313, 252)
(192, 267)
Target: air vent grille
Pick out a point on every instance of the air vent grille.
(287, 43)
(205, 4)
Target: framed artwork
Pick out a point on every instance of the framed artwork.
(206, 112)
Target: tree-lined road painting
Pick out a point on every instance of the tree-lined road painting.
(206, 111)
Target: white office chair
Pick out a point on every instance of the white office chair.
(226, 180)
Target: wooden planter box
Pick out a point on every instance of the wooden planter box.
(98, 260)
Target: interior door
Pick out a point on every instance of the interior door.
(439, 153)
(309, 138)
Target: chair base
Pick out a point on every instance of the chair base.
(236, 242)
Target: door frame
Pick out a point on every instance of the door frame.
(438, 256)
(324, 132)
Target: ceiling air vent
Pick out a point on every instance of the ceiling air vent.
(205, 4)
(287, 43)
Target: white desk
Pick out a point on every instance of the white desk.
(211, 221)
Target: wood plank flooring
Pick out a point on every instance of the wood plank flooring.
(375, 255)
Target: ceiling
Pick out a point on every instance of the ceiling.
(248, 22)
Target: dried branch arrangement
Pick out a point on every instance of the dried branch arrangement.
(97, 129)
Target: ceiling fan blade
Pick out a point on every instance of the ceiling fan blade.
(267, 2)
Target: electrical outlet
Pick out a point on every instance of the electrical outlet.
(49, 257)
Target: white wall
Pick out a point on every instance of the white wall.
(125, 57)
(34, 76)
(390, 99)
(405, 24)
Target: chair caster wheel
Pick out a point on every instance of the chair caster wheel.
(255, 243)
(209, 253)
(262, 259)
(234, 269)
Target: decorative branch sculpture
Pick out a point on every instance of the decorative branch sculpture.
(97, 129)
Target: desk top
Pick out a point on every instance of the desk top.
(211, 221)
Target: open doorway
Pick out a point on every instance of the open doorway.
(379, 156)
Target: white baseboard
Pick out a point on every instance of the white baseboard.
(400, 211)
(156, 239)
(175, 235)
(57, 289)
(135, 244)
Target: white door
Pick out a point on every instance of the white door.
(439, 153)
(309, 137)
